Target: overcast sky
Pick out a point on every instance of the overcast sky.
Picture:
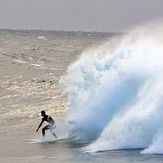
(75, 15)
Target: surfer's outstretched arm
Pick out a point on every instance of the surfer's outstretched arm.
(39, 126)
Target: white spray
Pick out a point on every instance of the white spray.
(116, 94)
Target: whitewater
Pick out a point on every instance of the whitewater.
(116, 93)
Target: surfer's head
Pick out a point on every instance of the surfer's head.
(43, 113)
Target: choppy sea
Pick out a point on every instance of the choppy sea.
(102, 89)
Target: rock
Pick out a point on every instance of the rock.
(40, 81)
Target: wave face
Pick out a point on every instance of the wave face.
(116, 94)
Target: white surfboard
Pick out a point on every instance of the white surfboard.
(35, 141)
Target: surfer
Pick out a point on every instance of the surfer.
(51, 125)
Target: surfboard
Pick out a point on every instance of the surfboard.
(35, 141)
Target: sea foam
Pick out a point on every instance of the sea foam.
(116, 93)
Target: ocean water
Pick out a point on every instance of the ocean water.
(103, 90)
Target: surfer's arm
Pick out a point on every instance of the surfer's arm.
(39, 126)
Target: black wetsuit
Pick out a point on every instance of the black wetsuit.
(50, 126)
(51, 121)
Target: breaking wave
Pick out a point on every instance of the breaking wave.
(116, 93)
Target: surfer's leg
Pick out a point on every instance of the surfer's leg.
(51, 130)
(45, 128)
(54, 134)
